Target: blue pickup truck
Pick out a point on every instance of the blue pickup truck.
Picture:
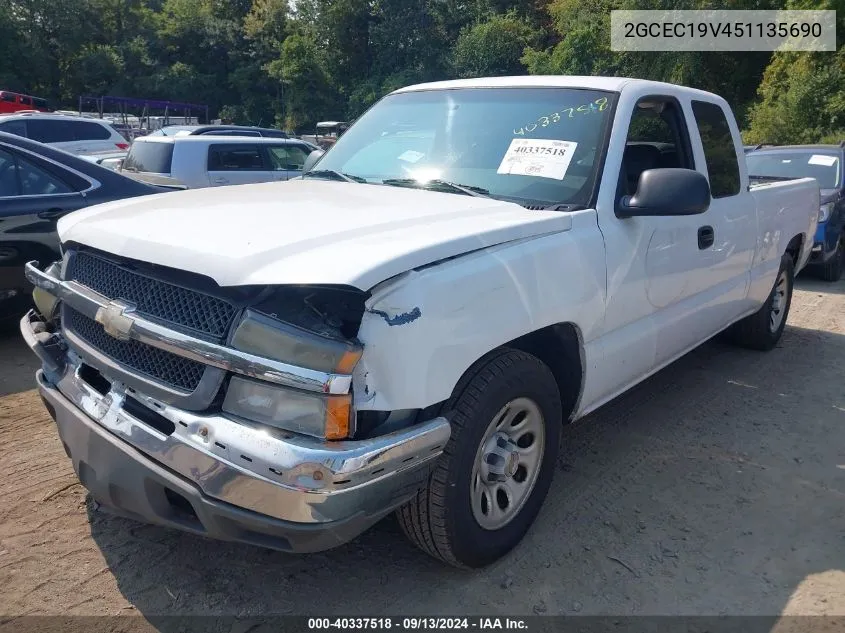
(825, 163)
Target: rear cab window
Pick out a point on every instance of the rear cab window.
(719, 149)
(821, 164)
(152, 158)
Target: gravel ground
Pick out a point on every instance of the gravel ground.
(716, 487)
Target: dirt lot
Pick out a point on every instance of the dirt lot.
(717, 487)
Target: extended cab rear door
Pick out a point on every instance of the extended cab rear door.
(732, 213)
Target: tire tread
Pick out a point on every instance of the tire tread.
(423, 518)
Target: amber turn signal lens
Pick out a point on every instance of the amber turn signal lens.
(338, 413)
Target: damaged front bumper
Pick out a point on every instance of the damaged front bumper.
(212, 475)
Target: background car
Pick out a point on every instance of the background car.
(213, 161)
(825, 163)
(218, 130)
(38, 185)
(77, 135)
(109, 160)
(16, 102)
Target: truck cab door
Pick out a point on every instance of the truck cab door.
(657, 266)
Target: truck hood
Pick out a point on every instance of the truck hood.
(303, 231)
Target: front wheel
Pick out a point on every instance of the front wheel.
(763, 329)
(495, 472)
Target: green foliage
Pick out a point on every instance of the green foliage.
(306, 87)
(801, 100)
(802, 95)
(493, 47)
(295, 63)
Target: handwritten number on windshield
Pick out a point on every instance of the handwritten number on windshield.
(599, 105)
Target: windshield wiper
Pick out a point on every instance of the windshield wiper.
(562, 206)
(469, 190)
(334, 175)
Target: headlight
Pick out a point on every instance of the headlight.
(260, 335)
(314, 414)
(324, 416)
(44, 301)
(824, 212)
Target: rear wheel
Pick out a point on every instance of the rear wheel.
(763, 329)
(831, 270)
(495, 472)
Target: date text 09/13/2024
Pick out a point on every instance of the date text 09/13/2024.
(417, 623)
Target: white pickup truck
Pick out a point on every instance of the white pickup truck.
(473, 265)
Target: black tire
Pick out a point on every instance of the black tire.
(756, 331)
(831, 270)
(439, 519)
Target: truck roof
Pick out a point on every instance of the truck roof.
(613, 84)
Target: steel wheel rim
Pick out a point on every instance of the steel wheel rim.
(778, 302)
(507, 463)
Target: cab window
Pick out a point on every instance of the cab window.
(657, 137)
(719, 149)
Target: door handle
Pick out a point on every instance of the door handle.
(220, 180)
(706, 237)
(52, 214)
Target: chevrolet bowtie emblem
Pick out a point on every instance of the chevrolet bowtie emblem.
(115, 320)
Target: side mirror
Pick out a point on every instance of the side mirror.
(667, 191)
(312, 159)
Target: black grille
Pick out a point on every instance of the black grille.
(161, 300)
(155, 363)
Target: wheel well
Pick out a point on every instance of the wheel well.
(794, 247)
(559, 347)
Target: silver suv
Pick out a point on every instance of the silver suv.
(77, 135)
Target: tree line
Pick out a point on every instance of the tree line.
(291, 63)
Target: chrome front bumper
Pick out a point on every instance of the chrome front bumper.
(285, 483)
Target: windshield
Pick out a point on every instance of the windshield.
(530, 145)
(804, 164)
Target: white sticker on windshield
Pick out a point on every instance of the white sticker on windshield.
(821, 159)
(538, 157)
(410, 156)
